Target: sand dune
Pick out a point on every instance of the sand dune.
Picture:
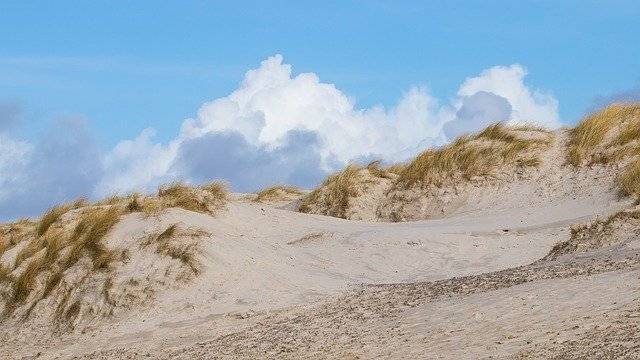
(527, 261)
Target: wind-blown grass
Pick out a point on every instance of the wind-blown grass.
(43, 254)
(472, 155)
(66, 247)
(53, 214)
(278, 193)
(208, 199)
(335, 191)
(610, 135)
(166, 244)
(593, 131)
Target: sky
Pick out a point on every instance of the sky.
(106, 97)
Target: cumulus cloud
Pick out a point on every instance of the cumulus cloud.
(276, 127)
(528, 106)
(61, 166)
(476, 112)
(227, 155)
(270, 102)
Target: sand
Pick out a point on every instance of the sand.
(473, 283)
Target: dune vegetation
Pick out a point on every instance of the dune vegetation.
(467, 157)
(278, 193)
(611, 135)
(475, 155)
(72, 236)
(598, 233)
(334, 194)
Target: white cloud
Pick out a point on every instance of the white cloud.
(528, 106)
(138, 164)
(270, 102)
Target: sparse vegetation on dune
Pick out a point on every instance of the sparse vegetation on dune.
(54, 214)
(334, 192)
(278, 193)
(607, 136)
(599, 233)
(474, 155)
(613, 126)
(173, 242)
(333, 196)
(207, 199)
(66, 248)
(467, 157)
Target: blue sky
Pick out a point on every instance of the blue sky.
(123, 67)
(130, 65)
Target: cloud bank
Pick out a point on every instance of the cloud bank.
(276, 127)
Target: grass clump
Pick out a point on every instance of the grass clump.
(278, 193)
(217, 191)
(473, 155)
(594, 130)
(87, 237)
(630, 178)
(171, 242)
(23, 285)
(5, 275)
(52, 215)
(335, 191)
(207, 199)
(610, 135)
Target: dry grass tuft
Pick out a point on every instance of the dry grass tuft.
(51, 216)
(87, 237)
(44, 261)
(54, 214)
(630, 179)
(338, 188)
(217, 190)
(278, 193)
(172, 242)
(182, 196)
(207, 199)
(473, 155)
(23, 285)
(5, 275)
(610, 135)
(593, 131)
(375, 168)
(396, 168)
